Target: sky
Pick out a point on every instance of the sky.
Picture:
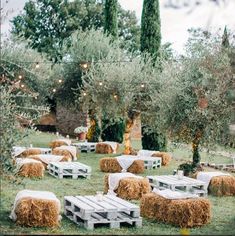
(174, 22)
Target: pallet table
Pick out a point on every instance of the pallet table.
(69, 169)
(85, 146)
(149, 162)
(88, 211)
(185, 184)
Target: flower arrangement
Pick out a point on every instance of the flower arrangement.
(80, 129)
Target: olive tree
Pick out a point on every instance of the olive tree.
(196, 106)
(23, 88)
(118, 90)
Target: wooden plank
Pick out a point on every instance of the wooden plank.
(76, 202)
(92, 204)
(104, 204)
(123, 202)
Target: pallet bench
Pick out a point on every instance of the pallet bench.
(88, 212)
(151, 162)
(69, 169)
(185, 184)
(85, 146)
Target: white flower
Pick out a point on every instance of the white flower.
(81, 129)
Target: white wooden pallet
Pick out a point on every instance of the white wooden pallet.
(88, 212)
(69, 169)
(151, 162)
(85, 146)
(172, 182)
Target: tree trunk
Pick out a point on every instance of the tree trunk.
(130, 122)
(195, 149)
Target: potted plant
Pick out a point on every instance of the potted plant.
(81, 132)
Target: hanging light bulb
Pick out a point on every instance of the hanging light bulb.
(115, 96)
(37, 65)
(84, 94)
(60, 81)
(53, 90)
(100, 83)
(142, 85)
(22, 85)
(20, 76)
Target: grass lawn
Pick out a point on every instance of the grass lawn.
(223, 208)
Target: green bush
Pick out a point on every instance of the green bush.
(112, 131)
(152, 140)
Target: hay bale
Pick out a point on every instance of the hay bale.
(29, 152)
(57, 143)
(36, 212)
(65, 158)
(61, 152)
(184, 212)
(222, 186)
(32, 170)
(166, 157)
(111, 165)
(103, 148)
(130, 188)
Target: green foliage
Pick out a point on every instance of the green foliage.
(187, 167)
(152, 140)
(225, 38)
(195, 103)
(88, 46)
(112, 131)
(150, 28)
(110, 13)
(19, 104)
(48, 24)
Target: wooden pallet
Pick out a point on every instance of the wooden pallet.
(151, 162)
(172, 182)
(85, 146)
(112, 211)
(69, 169)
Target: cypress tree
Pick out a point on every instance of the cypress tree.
(110, 14)
(225, 40)
(150, 42)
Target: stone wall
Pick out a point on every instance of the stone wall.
(68, 118)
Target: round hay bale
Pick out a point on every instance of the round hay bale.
(184, 212)
(111, 165)
(103, 148)
(37, 213)
(130, 188)
(32, 170)
(57, 143)
(166, 158)
(222, 186)
(64, 153)
(29, 152)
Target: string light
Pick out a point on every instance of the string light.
(84, 94)
(53, 90)
(100, 83)
(142, 85)
(20, 76)
(60, 80)
(37, 65)
(22, 85)
(115, 96)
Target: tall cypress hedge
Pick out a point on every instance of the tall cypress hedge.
(150, 39)
(150, 43)
(110, 13)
